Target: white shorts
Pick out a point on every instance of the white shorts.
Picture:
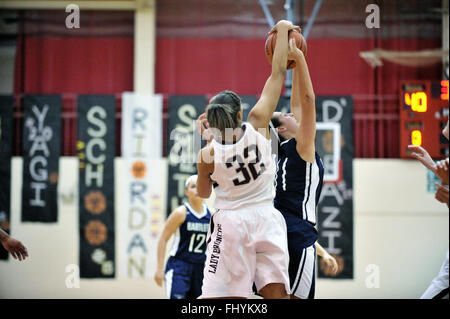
(302, 273)
(438, 288)
(245, 246)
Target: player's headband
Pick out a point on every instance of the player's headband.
(189, 180)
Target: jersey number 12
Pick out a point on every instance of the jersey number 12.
(200, 239)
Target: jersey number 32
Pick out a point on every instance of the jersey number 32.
(243, 168)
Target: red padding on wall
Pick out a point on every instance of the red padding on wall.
(82, 65)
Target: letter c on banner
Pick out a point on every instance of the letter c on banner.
(89, 151)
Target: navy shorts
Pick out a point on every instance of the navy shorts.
(302, 236)
(302, 264)
(183, 280)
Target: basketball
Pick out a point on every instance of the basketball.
(272, 39)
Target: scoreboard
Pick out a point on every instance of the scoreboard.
(423, 115)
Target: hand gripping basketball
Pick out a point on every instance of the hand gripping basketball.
(295, 34)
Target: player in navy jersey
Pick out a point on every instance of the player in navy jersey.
(183, 275)
(299, 180)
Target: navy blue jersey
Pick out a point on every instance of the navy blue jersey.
(190, 240)
(298, 183)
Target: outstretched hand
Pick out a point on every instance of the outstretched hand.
(284, 24)
(203, 127)
(294, 52)
(331, 265)
(15, 248)
(420, 154)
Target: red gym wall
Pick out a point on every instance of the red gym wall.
(207, 66)
(205, 49)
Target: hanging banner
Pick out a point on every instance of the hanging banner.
(183, 145)
(96, 152)
(41, 146)
(6, 131)
(335, 209)
(141, 215)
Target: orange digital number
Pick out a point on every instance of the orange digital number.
(444, 90)
(418, 101)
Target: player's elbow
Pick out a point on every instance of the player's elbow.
(256, 116)
(309, 98)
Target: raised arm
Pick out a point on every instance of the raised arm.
(261, 113)
(303, 105)
(174, 221)
(295, 92)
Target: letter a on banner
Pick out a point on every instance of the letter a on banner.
(96, 151)
(41, 145)
(6, 122)
(141, 211)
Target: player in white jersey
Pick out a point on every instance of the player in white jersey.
(247, 238)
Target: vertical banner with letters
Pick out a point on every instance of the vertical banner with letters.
(141, 215)
(6, 131)
(183, 145)
(41, 146)
(96, 152)
(335, 213)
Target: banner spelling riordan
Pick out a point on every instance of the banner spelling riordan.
(141, 214)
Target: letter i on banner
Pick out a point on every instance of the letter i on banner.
(96, 152)
(41, 144)
(6, 122)
(141, 213)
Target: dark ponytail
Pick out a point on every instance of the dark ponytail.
(221, 117)
(222, 111)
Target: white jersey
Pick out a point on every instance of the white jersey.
(244, 172)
